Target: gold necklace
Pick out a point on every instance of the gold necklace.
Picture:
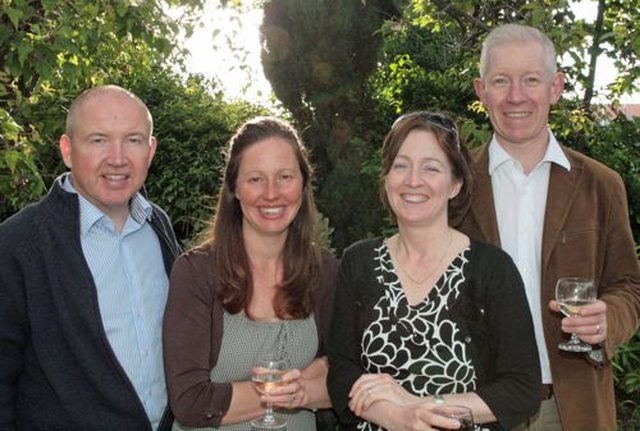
(419, 283)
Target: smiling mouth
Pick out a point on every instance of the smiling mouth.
(517, 115)
(272, 211)
(414, 199)
(115, 177)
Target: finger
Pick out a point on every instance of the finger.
(366, 380)
(598, 308)
(357, 401)
(292, 374)
(371, 397)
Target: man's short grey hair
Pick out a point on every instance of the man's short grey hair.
(517, 33)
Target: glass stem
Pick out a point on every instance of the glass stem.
(268, 414)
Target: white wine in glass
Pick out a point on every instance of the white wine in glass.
(572, 293)
(267, 374)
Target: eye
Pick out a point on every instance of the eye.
(255, 179)
(285, 178)
(98, 140)
(431, 168)
(500, 81)
(400, 166)
(134, 140)
(531, 80)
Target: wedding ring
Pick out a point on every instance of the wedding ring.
(293, 397)
(598, 328)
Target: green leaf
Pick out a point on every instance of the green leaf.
(11, 158)
(14, 16)
(24, 49)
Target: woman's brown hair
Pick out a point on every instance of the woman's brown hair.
(301, 258)
(448, 138)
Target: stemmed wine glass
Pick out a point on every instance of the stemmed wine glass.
(462, 413)
(267, 374)
(571, 294)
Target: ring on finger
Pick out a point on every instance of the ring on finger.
(598, 328)
(293, 397)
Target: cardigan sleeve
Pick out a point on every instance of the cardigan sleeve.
(191, 337)
(349, 312)
(324, 299)
(512, 385)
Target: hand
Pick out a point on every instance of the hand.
(371, 388)
(291, 394)
(590, 326)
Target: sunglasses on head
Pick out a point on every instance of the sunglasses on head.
(440, 121)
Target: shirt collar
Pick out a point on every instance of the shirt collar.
(139, 208)
(554, 154)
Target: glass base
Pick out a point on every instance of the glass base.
(277, 424)
(575, 347)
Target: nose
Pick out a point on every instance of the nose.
(412, 179)
(117, 155)
(271, 190)
(515, 93)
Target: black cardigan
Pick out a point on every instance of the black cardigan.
(493, 315)
(57, 370)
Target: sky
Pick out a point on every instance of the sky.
(216, 59)
(223, 62)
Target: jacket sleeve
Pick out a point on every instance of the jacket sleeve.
(620, 280)
(13, 334)
(189, 334)
(512, 388)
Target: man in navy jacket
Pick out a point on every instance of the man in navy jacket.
(84, 280)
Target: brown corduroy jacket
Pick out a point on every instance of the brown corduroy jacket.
(586, 233)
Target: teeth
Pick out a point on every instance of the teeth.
(517, 114)
(415, 198)
(272, 211)
(115, 177)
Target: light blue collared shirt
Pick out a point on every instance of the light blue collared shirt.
(520, 202)
(132, 288)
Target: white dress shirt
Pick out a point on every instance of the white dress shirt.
(520, 202)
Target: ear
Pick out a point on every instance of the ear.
(478, 85)
(153, 144)
(557, 87)
(455, 189)
(65, 150)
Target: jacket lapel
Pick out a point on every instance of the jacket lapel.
(560, 197)
(483, 207)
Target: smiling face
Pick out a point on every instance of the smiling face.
(518, 91)
(269, 187)
(108, 149)
(419, 183)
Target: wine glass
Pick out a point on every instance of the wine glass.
(462, 413)
(571, 294)
(267, 374)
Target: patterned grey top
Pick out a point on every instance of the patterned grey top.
(244, 340)
(421, 345)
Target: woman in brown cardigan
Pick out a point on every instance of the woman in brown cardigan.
(257, 284)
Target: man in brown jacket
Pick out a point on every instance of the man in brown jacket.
(557, 213)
